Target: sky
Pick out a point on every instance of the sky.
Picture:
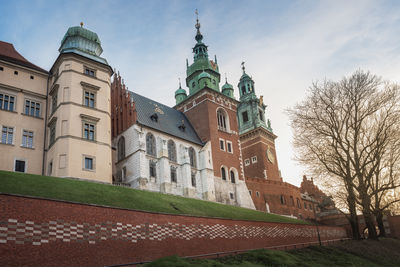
(286, 45)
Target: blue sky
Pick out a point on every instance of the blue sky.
(286, 44)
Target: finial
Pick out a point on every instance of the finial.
(198, 37)
(226, 79)
(187, 63)
(179, 82)
(81, 24)
(215, 59)
(243, 67)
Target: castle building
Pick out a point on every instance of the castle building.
(22, 112)
(73, 121)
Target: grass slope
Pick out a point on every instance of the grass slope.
(385, 252)
(115, 196)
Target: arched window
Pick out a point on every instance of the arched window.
(171, 151)
(121, 148)
(222, 119)
(150, 144)
(243, 90)
(298, 203)
(291, 201)
(223, 173)
(232, 176)
(192, 157)
(193, 84)
(283, 200)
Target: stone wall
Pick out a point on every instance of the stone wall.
(38, 232)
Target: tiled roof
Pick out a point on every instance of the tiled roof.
(165, 119)
(8, 53)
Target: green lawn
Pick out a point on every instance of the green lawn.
(385, 252)
(115, 196)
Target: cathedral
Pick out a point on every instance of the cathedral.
(80, 120)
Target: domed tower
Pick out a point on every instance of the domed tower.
(79, 117)
(201, 64)
(256, 136)
(180, 94)
(227, 89)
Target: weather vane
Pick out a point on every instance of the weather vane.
(179, 82)
(243, 66)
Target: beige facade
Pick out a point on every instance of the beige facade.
(22, 113)
(79, 122)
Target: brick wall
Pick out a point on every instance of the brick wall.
(39, 232)
(394, 224)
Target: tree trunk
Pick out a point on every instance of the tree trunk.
(379, 221)
(353, 219)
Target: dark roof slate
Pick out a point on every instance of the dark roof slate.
(168, 119)
(8, 53)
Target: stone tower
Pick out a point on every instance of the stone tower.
(256, 136)
(213, 115)
(79, 116)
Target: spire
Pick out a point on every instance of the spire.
(243, 68)
(198, 37)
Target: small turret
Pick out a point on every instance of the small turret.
(246, 84)
(227, 89)
(180, 94)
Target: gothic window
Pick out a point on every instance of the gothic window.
(305, 205)
(261, 115)
(245, 116)
(283, 200)
(193, 179)
(192, 157)
(150, 144)
(222, 119)
(223, 173)
(291, 201)
(171, 151)
(298, 203)
(152, 169)
(173, 174)
(232, 177)
(121, 148)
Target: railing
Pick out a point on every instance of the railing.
(234, 252)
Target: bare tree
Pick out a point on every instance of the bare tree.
(339, 131)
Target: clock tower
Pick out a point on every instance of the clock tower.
(255, 132)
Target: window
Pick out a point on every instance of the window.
(298, 203)
(173, 174)
(152, 169)
(229, 146)
(89, 163)
(254, 159)
(231, 195)
(257, 194)
(32, 77)
(260, 114)
(232, 177)
(171, 151)
(222, 144)
(291, 201)
(54, 102)
(121, 148)
(223, 173)
(19, 166)
(1, 68)
(7, 102)
(192, 157)
(150, 144)
(245, 117)
(50, 171)
(305, 205)
(89, 99)
(193, 84)
(16, 72)
(246, 162)
(89, 131)
(27, 139)
(32, 108)
(250, 192)
(52, 133)
(90, 72)
(283, 200)
(7, 135)
(193, 179)
(243, 90)
(310, 206)
(222, 120)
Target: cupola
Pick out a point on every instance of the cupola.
(180, 94)
(246, 84)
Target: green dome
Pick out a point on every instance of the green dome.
(81, 39)
(180, 91)
(204, 75)
(245, 77)
(227, 86)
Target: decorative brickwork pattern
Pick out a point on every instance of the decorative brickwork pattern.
(40, 233)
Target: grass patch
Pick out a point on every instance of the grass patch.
(350, 253)
(121, 197)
